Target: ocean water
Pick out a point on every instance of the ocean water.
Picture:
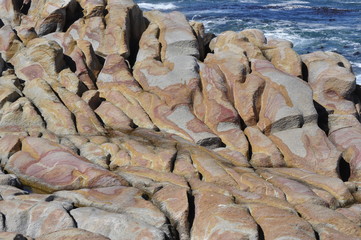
(326, 25)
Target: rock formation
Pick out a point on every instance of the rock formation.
(122, 124)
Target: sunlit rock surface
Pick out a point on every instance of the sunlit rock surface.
(122, 124)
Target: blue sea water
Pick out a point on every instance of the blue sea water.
(326, 25)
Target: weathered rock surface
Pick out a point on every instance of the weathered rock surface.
(119, 124)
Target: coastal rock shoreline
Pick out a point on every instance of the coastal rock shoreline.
(121, 124)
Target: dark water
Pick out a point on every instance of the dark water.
(327, 25)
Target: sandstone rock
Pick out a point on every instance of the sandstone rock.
(9, 42)
(118, 86)
(113, 117)
(48, 16)
(41, 58)
(120, 226)
(332, 81)
(308, 148)
(236, 42)
(348, 140)
(113, 33)
(318, 215)
(85, 119)
(284, 58)
(234, 67)
(95, 154)
(333, 185)
(296, 192)
(235, 157)
(173, 201)
(247, 99)
(35, 166)
(176, 36)
(217, 217)
(21, 116)
(219, 114)
(286, 101)
(352, 213)
(280, 224)
(13, 236)
(264, 151)
(10, 12)
(9, 145)
(72, 233)
(57, 117)
(35, 218)
(124, 200)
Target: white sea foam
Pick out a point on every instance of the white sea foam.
(157, 6)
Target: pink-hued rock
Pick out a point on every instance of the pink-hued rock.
(113, 117)
(286, 100)
(217, 217)
(85, 119)
(10, 12)
(332, 185)
(318, 215)
(9, 42)
(13, 235)
(35, 218)
(348, 140)
(112, 34)
(72, 233)
(280, 224)
(264, 152)
(117, 85)
(237, 43)
(173, 201)
(332, 81)
(21, 115)
(57, 117)
(35, 166)
(118, 199)
(308, 148)
(353, 213)
(41, 58)
(247, 98)
(296, 192)
(176, 35)
(94, 220)
(219, 114)
(283, 57)
(9, 145)
(235, 157)
(48, 16)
